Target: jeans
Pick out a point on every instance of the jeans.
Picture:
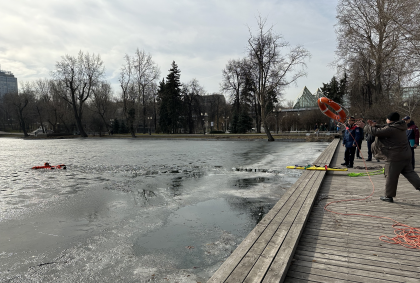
(349, 155)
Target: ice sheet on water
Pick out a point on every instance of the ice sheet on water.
(100, 219)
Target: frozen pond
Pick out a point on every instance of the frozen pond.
(133, 210)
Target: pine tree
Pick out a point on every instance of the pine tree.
(164, 119)
(170, 96)
(116, 126)
(335, 90)
(244, 123)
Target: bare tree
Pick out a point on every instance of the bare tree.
(377, 41)
(102, 103)
(289, 104)
(234, 80)
(42, 92)
(20, 104)
(272, 70)
(191, 99)
(128, 96)
(146, 73)
(80, 76)
(59, 112)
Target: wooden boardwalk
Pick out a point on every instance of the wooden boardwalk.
(338, 248)
(297, 241)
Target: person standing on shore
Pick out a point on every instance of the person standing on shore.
(412, 135)
(391, 144)
(350, 138)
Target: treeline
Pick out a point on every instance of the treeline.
(77, 99)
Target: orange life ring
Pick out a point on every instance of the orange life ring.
(340, 116)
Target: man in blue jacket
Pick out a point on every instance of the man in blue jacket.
(350, 138)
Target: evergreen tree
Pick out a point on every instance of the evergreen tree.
(234, 126)
(335, 90)
(170, 96)
(164, 119)
(116, 126)
(123, 128)
(244, 123)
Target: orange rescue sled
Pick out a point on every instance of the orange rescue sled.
(48, 166)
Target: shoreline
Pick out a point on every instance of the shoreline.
(286, 137)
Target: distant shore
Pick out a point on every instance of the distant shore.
(284, 137)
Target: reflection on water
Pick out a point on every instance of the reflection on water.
(131, 210)
(246, 183)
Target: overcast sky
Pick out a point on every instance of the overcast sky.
(200, 36)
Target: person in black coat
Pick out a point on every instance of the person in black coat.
(370, 139)
(359, 143)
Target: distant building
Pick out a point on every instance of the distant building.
(410, 92)
(8, 83)
(307, 99)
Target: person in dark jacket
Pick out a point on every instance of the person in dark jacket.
(350, 138)
(412, 135)
(359, 143)
(391, 144)
(369, 141)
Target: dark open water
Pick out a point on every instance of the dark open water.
(135, 210)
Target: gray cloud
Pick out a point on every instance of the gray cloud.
(201, 36)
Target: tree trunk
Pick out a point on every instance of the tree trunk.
(269, 136)
(80, 126)
(264, 122)
(22, 123)
(144, 115)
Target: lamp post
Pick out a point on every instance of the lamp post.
(226, 123)
(150, 129)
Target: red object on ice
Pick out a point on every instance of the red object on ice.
(48, 166)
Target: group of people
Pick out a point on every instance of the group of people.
(322, 127)
(394, 142)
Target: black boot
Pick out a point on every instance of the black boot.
(388, 199)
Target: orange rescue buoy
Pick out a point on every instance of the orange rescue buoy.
(340, 116)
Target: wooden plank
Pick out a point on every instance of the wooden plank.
(356, 245)
(339, 269)
(323, 275)
(367, 262)
(380, 258)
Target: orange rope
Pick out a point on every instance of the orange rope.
(408, 236)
